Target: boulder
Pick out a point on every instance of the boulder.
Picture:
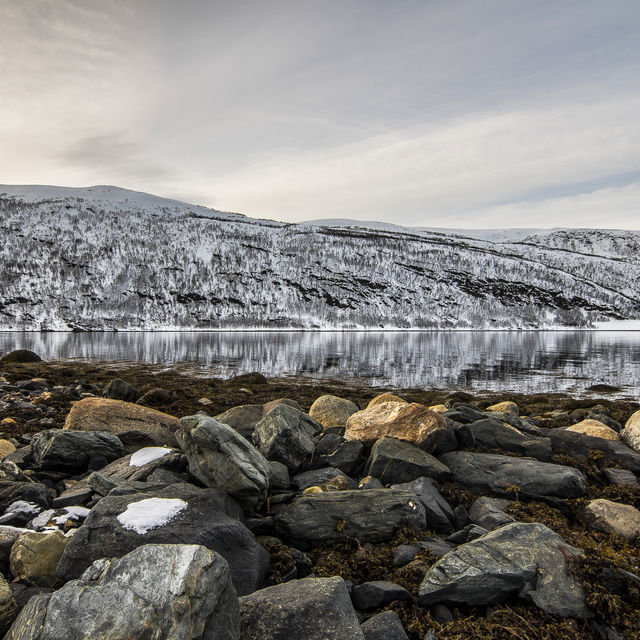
(20, 356)
(8, 606)
(370, 515)
(270, 406)
(60, 450)
(621, 520)
(621, 478)
(331, 411)
(155, 397)
(279, 475)
(386, 397)
(220, 457)
(8, 536)
(631, 432)
(118, 389)
(505, 407)
(319, 476)
(308, 609)
(377, 593)
(394, 461)
(384, 626)
(440, 516)
(517, 477)
(527, 560)
(464, 414)
(156, 591)
(411, 422)
(242, 418)
(178, 514)
(595, 429)
(438, 408)
(33, 492)
(6, 448)
(333, 450)
(499, 435)
(132, 423)
(286, 435)
(35, 556)
(489, 513)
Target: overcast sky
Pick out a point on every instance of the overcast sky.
(474, 113)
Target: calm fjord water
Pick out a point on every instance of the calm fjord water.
(531, 361)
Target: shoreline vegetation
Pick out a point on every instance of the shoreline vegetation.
(309, 517)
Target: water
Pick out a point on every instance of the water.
(528, 362)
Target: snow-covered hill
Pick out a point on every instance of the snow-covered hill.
(105, 258)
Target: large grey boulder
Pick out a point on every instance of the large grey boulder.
(440, 515)
(507, 476)
(384, 626)
(64, 450)
(242, 418)
(631, 432)
(308, 609)
(177, 514)
(286, 435)
(220, 457)
(370, 515)
(34, 492)
(613, 517)
(489, 513)
(495, 434)
(393, 461)
(527, 560)
(156, 591)
(118, 389)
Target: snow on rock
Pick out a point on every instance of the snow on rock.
(150, 513)
(147, 455)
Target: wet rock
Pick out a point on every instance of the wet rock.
(331, 411)
(506, 475)
(8, 606)
(520, 559)
(497, 435)
(386, 397)
(60, 450)
(279, 475)
(220, 457)
(631, 432)
(595, 429)
(377, 593)
(242, 418)
(612, 517)
(132, 423)
(339, 483)
(155, 397)
(394, 461)
(369, 482)
(20, 356)
(319, 476)
(384, 626)
(621, 477)
(286, 435)
(370, 515)
(181, 514)
(411, 422)
(489, 513)
(505, 407)
(333, 450)
(308, 609)
(440, 516)
(118, 389)
(170, 591)
(35, 556)
(464, 414)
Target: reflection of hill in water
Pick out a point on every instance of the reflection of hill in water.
(529, 361)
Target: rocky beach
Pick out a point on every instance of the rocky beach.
(144, 501)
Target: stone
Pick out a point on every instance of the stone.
(20, 356)
(377, 593)
(631, 432)
(489, 513)
(333, 450)
(339, 483)
(514, 477)
(270, 406)
(118, 389)
(156, 591)
(438, 408)
(155, 397)
(498, 435)
(384, 626)
(253, 377)
(8, 606)
(220, 457)
(386, 397)
(60, 450)
(440, 516)
(11, 472)
(369, 482)
(6, 448)
(307, 609)
(621, 520)
(242, 418)
(595, 429)
(279, 475)
(505, 407)
(35, 556)
(467, 534)
(8, 536)
(319, 476)
(331, 411)
(464, 414)
(204, 520)
(286, 435)
(527, 560)
(132, 423)
(404, 554)
(394, 461)
(35, 492)
(370, 515)
(621, 478)
(411, 422)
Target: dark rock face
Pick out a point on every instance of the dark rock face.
(490, 512)
(370, 515)
(59, 449)
(384, 626)
(440, 516)
(286, 435)
(202, 521)
(394, 461)
(377, 593)
(504, 475)
(118, 389)
(308, 609)
(334, 451)
(494, 434)
(527, 560)
(242, 418)
(20, 356)
(319, 476)
(35, 492)
(179, 591)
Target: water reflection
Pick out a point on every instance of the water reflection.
(527, 361)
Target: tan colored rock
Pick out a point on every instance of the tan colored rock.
(505, 407)
(130, 422)
(6, 448)
(332, 411)
(339, 483)
(612, 517)
(631, 432)
(411, 422)
(595, 429)
(35, 556)
(8, 607)
(386, 397)
(438, 408)
(8, 422)
(270, 406)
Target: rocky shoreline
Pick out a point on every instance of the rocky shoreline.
(143, 502)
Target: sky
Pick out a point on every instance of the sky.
(446, 113)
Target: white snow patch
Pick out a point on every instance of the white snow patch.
(147, 455)
(150, 513)
(21, 506)
(72, 513)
